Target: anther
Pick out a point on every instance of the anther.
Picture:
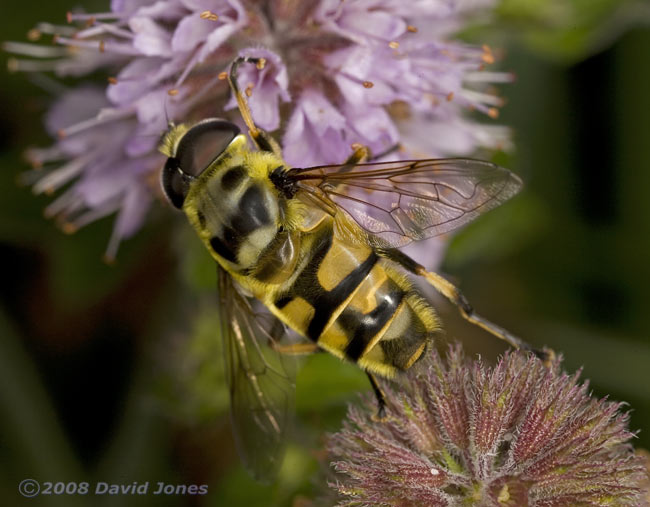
(368, 84)
(223, 76)
(493, 112)
(108, 259)
(487, 56)
(450, 96)
(393, 44)
(249, 89)
(69, 228)
(12, 65)
(173, 92)
(411, 29)
(261, 63)
(102, 46)
(209, 15)
(112, 80)
(68, 17)
(34, 34)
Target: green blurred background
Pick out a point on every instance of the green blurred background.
(113, 373)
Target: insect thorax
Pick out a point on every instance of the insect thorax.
(236, 211)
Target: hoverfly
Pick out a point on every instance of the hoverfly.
(319, 247)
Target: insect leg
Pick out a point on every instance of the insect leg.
(453, 294)
(263, 140)
(392, 149)
(296, 349)
(362, 154)
(278, 330)
(381, 399)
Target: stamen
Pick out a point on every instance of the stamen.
(249, 89)
(223, 76)
(173, 92)
(49, 183)
(209, 15)
(38, 156)
(450, 96)
(261, 63)
(492, 77)
(78, 16)
(412, 29)
(20, 65)
(104, 116)
(112, 80)
(484, 98)
(188, 68)
(493, 112)
(113, 245)
(205, 89)
(69, 200)
(102, 28)
(393, 44)
(51, 29)
(95, 214)
(102, 46)
(35, 50)
(365, 84)
(28, 178)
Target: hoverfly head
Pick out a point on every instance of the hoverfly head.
(190, 152)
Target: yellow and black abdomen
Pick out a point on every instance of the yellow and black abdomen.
(356, 305)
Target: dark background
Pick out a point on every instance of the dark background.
(102, 378)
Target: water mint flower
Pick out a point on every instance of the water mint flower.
(463, 433)
(375, 72)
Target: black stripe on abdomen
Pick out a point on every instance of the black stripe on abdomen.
(323, 301)
(364, 327)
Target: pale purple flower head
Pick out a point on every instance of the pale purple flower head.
(375, 72)
(463, 433)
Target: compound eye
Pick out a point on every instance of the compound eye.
(203, 144)
(198, 148)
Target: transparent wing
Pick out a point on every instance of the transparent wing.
(408, 200)
(261, 385)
